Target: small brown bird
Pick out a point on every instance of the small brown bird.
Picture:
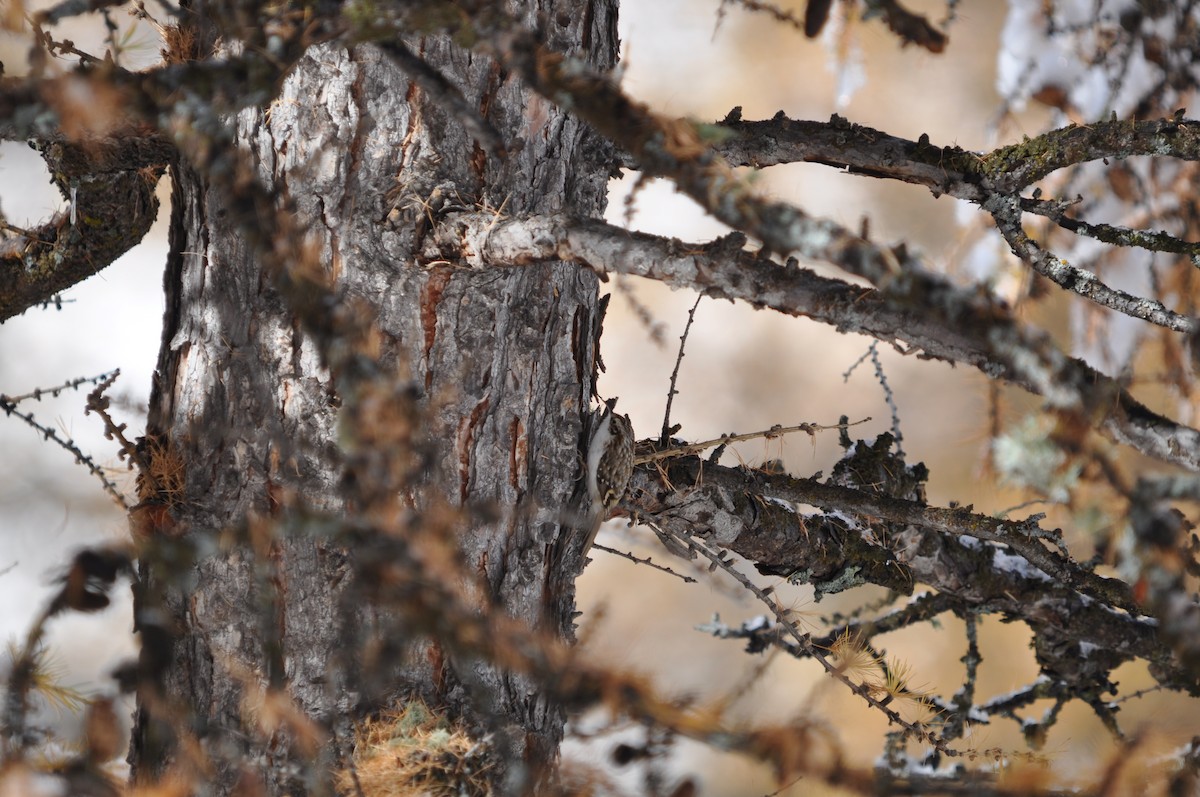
(608, 465)
(609, 458)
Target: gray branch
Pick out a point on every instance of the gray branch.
(926, 314)
(111, 191)
(865, 537)
(1006, 212)
(992, 180)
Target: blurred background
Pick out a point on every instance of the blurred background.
(744, 370)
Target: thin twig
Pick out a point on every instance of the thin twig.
(872, 354)
(647, 561)
(49, 434)
(773, 432)
(71, 384)
(1151, 240)
(98, 403)
(718, 560)
(665, 439)
(888, 397)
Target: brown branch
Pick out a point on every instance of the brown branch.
(947, 170)
(851, 147)
(660, 453)
(911, 28)
(665, 438)
(780, 14)
(992, 180)
(648, 561)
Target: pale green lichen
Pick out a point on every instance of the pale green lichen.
(1027, 456)
(846, 579)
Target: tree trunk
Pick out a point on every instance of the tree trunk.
(501, 362)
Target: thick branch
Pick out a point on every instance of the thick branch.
(898, 544)
(1019, 165)
(940, 321)
(852, 147)
(111, 190)
(679, 149)
(682, 151)
(992, 180)
(948, 170)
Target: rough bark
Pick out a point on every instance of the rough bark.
(499, 360)
(112, 205)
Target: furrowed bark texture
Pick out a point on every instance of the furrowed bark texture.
(501, 360)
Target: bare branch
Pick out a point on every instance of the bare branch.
(679, 149)
(852, 147)
(911, 28)
(9, 407)
(900, 543)
(992, 180)
(1019, 165)
(659, 454)
(805, 642)
(947, 170)
(1007, 213)
(1150, 240)
(665, 438)
(112, 209)
(939, 321)
(72, 384)
(649, 562)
